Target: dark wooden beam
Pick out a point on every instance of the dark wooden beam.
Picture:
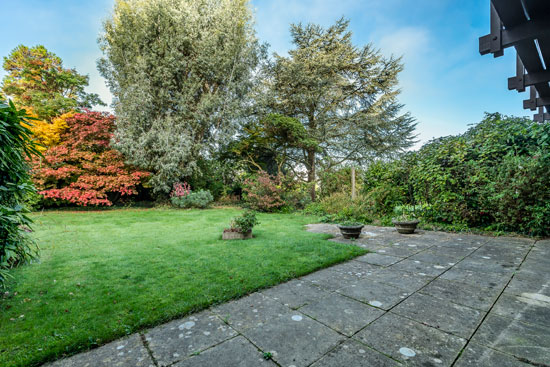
(497, 41)
(519, 82)
(541, 116)
(535, 101)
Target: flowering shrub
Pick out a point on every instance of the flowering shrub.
(264, 192)
(83, 170)
(180, 190)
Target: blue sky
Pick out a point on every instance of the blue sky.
(446, 84)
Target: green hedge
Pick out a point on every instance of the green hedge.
(15, 147)
(495, 176)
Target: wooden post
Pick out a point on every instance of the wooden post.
(353, 183)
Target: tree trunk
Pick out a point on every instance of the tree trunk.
(311, 173)
(353, 183)
(311, 153)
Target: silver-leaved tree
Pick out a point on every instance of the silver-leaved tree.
(180, 71)
(345, 96)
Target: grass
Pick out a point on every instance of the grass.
(105, 274)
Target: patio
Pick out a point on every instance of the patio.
(428, 299)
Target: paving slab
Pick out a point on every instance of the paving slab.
(510, 241)
(376, 294)
(497, 252)
(483, 280)
(178, 339)
(466, 239)
(410, 282)
(450, 317)
(541, 248)
(236, 352)
(527, 341)
(378, 259)
(533, 308)
(296, 293)
(411, 342)
(464, 242)
(435, 258)
(355, 269)
(294, 340)
(342, 314)
(522, 283)
(398, 249)
(457, 252)
(369, 244)
(127, 352)
(330, 280)
(462, 293)
(250, 311)
(419, 243)
(479, 356)
(354, 354)
(420, 267)
(535, 266)
(487, 265)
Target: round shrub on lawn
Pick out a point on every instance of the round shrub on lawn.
(195, 199)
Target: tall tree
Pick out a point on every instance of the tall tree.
(36, 79)
(179, 71)
(345, 96)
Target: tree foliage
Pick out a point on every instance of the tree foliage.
(48, 133)
(36, 78)
(345, 97)
(270, 143)
(16, 147)
(84, 170)
(180, 72)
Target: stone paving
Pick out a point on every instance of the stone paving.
(427, 299)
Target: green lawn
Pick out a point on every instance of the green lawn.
(104, 274)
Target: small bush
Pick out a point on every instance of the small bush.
(264, 192)
(183, 197)
(410, 212)
(245, 222)
(296, 194)
(339, 207)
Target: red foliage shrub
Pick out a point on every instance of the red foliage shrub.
(84, 170)
(264, 192)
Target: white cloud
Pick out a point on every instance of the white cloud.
(410, 42)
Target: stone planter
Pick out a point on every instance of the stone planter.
(406, 226)
(350, 232)
(232, 235)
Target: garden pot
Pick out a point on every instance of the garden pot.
(350, 232)
(233, 235)
(406, 226)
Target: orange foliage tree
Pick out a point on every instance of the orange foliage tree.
(83, 169)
